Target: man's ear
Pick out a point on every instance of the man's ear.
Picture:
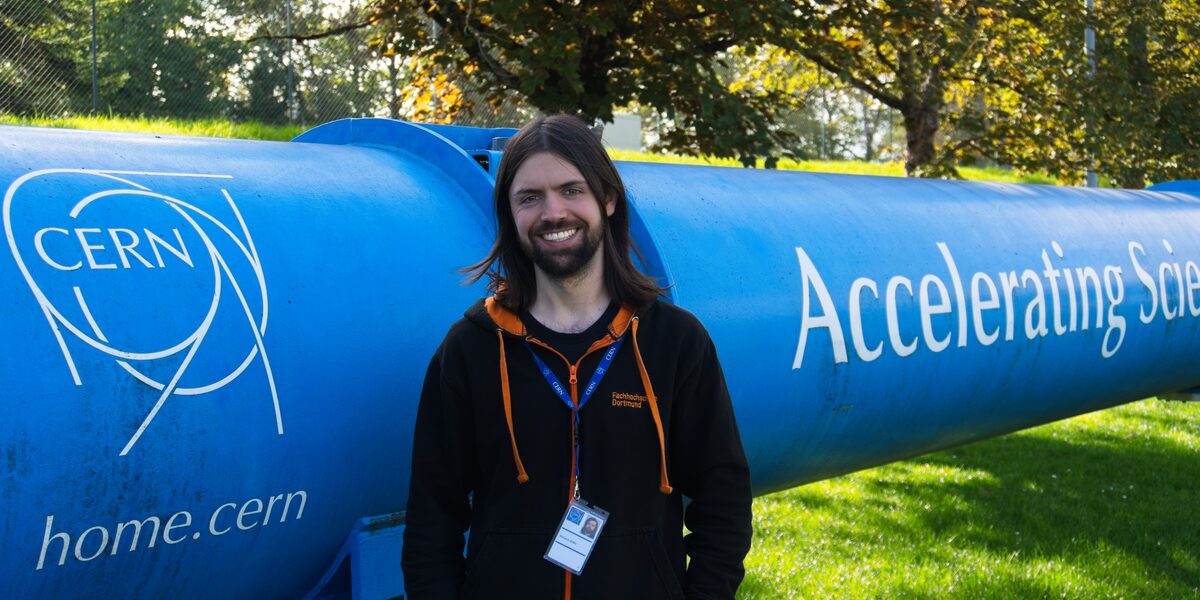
(610, 205)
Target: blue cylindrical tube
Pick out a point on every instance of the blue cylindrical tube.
(213, 348)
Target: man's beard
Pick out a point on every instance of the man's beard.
(567, 262)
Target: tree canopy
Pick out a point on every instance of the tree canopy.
(38, 66)
(1011, 81)
(587, 58)
(1006, 81)
(1141, 103)
(919, 57)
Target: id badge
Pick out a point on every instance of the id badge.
(576, 536)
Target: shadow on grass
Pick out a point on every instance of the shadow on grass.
(1114, 511)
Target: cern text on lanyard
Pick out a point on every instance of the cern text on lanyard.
(561, 392)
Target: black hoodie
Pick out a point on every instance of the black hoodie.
(471, 446)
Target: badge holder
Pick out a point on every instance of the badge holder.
(576, 536)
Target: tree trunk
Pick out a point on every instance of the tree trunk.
(921, 124)
(922, 92)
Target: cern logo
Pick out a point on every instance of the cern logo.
(159, 285)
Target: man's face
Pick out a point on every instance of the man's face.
(557, 216)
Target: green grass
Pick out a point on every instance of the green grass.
(853, 167)
(1099, 506)
(201, 127)
(261, 131)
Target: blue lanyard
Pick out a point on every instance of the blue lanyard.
(561, 391)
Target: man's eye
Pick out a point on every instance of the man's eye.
(527, 199)
(572, 191)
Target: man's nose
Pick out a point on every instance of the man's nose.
(555, 207)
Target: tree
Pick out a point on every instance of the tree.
(159, 58)
(263, 71)
(1130, 116)
(586, 58)
(342, 78)
(39, 46)
(1142, 99)
(1010, 80)
(874, 122)
(334, 71)
(829, 119)
(910, 56)
(1023, 108)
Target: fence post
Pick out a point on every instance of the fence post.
(95, 82)
(291, 86)
(1089, 49)
(394, 104)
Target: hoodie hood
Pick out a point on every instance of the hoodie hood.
(491, 316)
(478, 314)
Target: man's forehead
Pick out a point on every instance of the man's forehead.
(546, 170)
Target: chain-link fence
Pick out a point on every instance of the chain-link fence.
(261, 60)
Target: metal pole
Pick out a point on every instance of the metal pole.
(1089, 49)
(394, 107)
(291, 88)
(824, 103)
(95, 79)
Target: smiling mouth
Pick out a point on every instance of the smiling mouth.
(559, 236)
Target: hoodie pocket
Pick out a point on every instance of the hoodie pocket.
(630, 564)
(509, 564)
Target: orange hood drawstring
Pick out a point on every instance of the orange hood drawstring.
(664, 485)
(522, 476)
(507, 321)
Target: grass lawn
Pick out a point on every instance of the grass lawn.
(1099, 506)
(201, 127)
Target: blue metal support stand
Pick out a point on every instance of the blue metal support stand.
(368, 565)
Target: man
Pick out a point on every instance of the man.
(573, 388)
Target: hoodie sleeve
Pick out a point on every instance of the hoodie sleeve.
(439, 511)
(710, 467)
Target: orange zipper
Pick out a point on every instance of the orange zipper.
(603, 342)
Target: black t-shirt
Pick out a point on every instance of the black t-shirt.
(572, 345)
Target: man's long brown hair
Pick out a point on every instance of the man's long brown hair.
(510, 271)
